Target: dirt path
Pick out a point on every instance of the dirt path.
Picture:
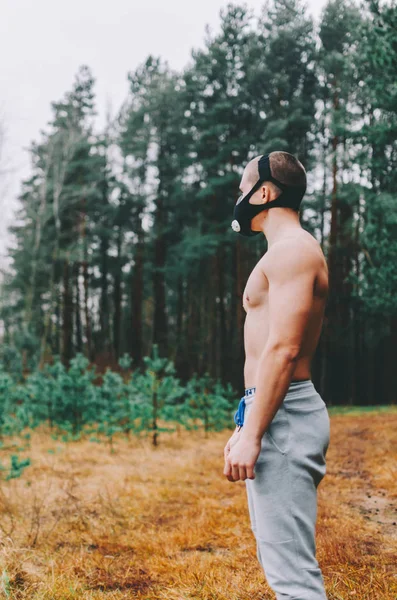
(364, 453)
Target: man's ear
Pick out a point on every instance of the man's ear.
(265, 194)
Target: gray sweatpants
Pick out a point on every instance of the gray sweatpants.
(282, 499)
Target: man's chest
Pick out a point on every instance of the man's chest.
(256, 290)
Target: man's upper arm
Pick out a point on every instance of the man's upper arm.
(291, 273)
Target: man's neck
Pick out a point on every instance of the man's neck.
(280, 223)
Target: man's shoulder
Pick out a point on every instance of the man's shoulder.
(293, 253)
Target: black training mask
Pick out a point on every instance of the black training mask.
(244, 212)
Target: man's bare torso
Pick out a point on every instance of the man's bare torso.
(255, 303)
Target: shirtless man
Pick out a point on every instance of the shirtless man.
(283, 428)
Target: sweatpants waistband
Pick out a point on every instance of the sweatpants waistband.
(301, 396)
(297, 390)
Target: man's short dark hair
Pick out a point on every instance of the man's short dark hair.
(287, 168)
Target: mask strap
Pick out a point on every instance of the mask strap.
(264, 170)
(282, 186)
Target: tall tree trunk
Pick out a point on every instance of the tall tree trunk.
(58, 323)
(84, 263)
(389, 364)
(223, 349)
(214, 324)
(179, 342)
(333, 236)
(345, 310)
(87, 311)
(160, 333)
(190, 330)
(240, 284)
(202, 362)
(67, 315)
(47, 317)
(331, 320)
(77, 306)
(137, 300)
(104, 301)
(37, 241)
(117, 298)
(324, 191)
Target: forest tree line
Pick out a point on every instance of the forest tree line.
(123, 238)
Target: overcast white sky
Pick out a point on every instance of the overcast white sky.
(43, 42)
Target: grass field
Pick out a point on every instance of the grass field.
(165, 523)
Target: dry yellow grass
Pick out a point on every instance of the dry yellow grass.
(164, 523)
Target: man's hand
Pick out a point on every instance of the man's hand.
(241, 459)
(231, 442)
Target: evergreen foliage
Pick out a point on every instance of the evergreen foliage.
(78, 401)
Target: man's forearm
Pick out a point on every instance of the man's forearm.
(273, 378)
